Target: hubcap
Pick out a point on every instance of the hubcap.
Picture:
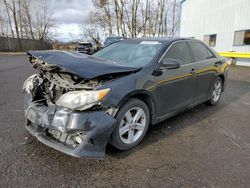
(217, 91)
(132, 125)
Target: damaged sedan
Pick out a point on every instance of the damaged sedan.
(77, 104)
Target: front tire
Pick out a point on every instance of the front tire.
(216, 92)
(132, 122)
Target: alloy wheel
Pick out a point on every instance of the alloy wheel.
(132, 125)
(217, 91)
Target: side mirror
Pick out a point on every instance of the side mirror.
(169, 64)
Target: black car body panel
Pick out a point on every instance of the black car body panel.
(84, 66)
(166, 92)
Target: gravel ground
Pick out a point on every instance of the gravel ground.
(203, 147)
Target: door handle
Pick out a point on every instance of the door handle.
(193, 71)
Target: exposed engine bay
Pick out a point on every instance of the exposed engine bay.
(51, 82)
(52, 86)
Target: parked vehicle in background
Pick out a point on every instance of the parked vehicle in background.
(112, 40)
(85, 47)
(77, 104)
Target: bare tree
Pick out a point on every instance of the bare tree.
(138, 17)
(27, 21)
(117, 16)
(2, 33)
(44, 20)
(104, 6)
(28, 18)
(20, 18)
(9, 18)
(14, 14)
(93, 27)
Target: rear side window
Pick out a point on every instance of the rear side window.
(200, 51)
(180, 52)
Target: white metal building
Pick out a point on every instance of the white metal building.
(222, 24)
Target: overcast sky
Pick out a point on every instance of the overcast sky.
(69, 15)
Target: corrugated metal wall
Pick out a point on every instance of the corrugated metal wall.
(221, 17)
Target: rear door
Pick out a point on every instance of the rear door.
(205, 62)
(175, 87)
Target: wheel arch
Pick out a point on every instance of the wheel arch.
(143, 96)
(222, 77)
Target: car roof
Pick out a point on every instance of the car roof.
(115, 37)
(165, 40)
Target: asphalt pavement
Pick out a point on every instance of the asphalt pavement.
(202, 147)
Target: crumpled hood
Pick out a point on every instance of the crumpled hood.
(82, 65)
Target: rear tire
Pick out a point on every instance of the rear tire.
(132, 122)
(216, 92)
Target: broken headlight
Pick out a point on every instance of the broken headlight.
(81, 100)
(29, 83)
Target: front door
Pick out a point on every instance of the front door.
(176, 86)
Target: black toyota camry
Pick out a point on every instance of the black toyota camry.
(77, 104)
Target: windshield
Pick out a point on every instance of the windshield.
(130, 54)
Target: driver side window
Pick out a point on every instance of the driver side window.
(180, 52)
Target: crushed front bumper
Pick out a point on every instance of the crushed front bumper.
(97, 127)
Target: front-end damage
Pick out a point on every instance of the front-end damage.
(80, 134)
(80, 125)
